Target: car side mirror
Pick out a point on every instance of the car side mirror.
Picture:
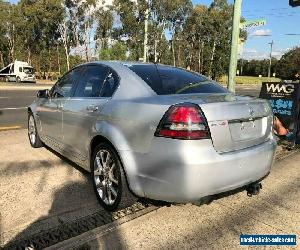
(43, 93)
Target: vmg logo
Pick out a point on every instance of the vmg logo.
(285, 88)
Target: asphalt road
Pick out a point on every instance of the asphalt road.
(13, 105)
(15, 98)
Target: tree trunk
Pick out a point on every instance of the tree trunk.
(178, 55)
(11, 50)
(2, 60)
(64, 37)
(58, 61)
(191, 57)
(173, 50)
(67, 57)
(75, 32)
(211, 59)
(11, 44)
(28, 55)
(202, 57)
(155, 50)
(199, 56)
(86, 42)
(39, 75)
(50, 66)
(77, 44)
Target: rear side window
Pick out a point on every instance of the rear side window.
(165, 80)
(150, 75)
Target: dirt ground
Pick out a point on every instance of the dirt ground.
(39, 190)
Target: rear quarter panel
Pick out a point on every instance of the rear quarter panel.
(130, 125)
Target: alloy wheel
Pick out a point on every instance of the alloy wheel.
(31, 130)
(106, 177)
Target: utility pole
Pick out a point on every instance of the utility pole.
(234, 44)
(270, 64)
(146, 32)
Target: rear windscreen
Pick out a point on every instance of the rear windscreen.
(166, 80)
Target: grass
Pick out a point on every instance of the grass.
(250, 79)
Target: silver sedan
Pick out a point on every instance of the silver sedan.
(154, 131)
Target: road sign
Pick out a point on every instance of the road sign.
(284, 99)
(294, 3)
(253, 23)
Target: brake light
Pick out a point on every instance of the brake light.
(183, 121)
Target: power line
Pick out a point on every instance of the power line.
(267, 10)
(274, 15)
(256, 10)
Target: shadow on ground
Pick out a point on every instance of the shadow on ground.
(39, 239)
(57, 226)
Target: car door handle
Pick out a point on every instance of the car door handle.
(92, 108)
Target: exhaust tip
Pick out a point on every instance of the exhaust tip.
(253, 189)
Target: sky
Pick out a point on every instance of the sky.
(281, 20)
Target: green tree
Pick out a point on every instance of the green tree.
(172, 15)
(116, 52)
(131, 15)
(256, 67)
(38, 26)
(104, 18)
(288, 67)
(3, 33)
(8, 28)
(206, 39)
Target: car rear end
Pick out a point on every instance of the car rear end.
(193, 157)
(205, 144)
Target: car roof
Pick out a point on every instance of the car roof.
(125, 63)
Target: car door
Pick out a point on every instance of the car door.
(50, 111)
(94, 89)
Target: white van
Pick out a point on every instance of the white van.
(18, 71)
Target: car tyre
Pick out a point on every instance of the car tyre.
(33, 135)
(109, 179)
(18, 79)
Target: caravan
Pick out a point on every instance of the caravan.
(18, 71)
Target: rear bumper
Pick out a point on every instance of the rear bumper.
(185, 171)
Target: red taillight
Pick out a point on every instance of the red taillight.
(185, 114)
(183, 121)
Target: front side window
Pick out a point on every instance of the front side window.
(64, 87)
(97, 81)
